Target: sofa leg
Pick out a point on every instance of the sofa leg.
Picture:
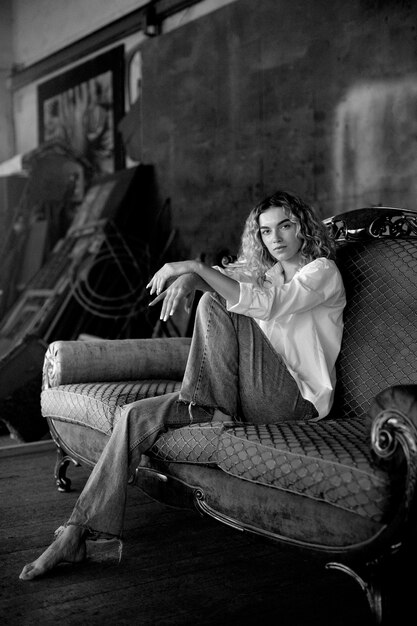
(370, 584)
(62, 461)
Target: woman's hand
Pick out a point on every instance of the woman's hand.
(204, 278)
(168, 272)
(182, 289)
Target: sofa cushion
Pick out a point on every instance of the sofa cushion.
(330, 461)
(196, 444)
(242, 503)
(98, 405)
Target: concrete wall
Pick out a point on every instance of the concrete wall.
(238, 100)
(319, 97)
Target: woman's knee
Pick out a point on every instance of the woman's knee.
(206, 300)
(211, 299)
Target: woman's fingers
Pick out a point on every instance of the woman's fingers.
(156, 284)
(168, 272)
(151, 286)
(172, 296)
(169, 306)
(158, 298)
(159, 279)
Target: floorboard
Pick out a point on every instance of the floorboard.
(177, 567)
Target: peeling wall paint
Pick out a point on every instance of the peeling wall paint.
(375, 144)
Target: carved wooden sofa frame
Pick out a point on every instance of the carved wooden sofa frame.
(342, 488)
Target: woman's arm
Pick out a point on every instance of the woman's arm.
(195, 276)
(181, 290)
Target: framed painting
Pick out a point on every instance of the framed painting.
(83, 106)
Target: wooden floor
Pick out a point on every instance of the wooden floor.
(177, 568)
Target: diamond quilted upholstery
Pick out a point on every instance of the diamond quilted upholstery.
(327, 460)
(98, 405)
(380, 338)
(197, 443)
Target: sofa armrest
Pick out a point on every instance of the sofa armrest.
(394, 430)
(116, 359)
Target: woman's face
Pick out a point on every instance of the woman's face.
(279, 235)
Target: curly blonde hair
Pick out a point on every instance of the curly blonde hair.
(316, 240)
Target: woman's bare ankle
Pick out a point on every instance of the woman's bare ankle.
(69, 546)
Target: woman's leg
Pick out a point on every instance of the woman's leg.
(233, 367)
(99, 511)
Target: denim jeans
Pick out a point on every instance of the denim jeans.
(231, 367)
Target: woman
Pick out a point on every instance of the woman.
(264, 347)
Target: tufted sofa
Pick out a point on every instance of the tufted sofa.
(342, 488)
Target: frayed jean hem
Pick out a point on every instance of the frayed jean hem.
(96, 536)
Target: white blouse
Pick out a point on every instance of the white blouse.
(303, 320)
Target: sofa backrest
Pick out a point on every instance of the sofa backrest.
(379, 347)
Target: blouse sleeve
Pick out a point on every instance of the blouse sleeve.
(315, 284)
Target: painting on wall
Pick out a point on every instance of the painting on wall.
(82, 107)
